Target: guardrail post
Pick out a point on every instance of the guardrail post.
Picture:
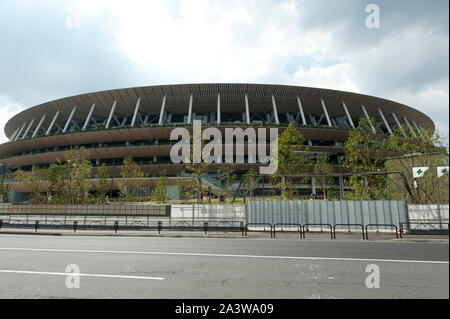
(159, 227)
(36, 226)
(383, 225)
(205, 227)
(116, 226)
(75, 226)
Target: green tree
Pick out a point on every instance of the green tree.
(159, 194)
(429, 150)
(322, 166)
(55, 174)
(293, 157)
(197, 171)
(365, 152)
(131, 178)
(186, 185)
(227, 170)
(251, 181)
(34, 182)
(78, 171)
(5, 185)
(103, 183)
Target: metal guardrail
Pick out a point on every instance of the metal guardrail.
(287, 224)
(381, 225)
(260, 224)
(348, 225)
(207, 227)
(308, 225)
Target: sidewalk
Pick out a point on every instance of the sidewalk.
(354, 236)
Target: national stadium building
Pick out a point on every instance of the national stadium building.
(138, 121)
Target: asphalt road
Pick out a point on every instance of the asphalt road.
(150, 267)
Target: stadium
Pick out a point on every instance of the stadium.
(137, 121)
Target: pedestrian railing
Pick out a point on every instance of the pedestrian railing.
(382, 225)
(348, 225)
(306, 226)
(299, 228)
(264, 225)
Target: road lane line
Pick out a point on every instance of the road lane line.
(75, 274)
(219, 255)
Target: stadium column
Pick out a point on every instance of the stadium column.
(410, 127)
(52, 123)
(422, 130)
(111, 114)
(418, 130)
(326, 113)
(275, 112)
(28, 129)
(20, 131)
(161, 114)
(350, 121)
(247, 109)
(88, 118)
(218, 108)
(385, 122)
(368, 119)
(189, 121)
(69, 120)
(14, 134)
(399, 124)
(39, 126)
(146, 119)
(136, 110)
(300, 108)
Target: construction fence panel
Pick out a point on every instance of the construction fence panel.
(328, 212)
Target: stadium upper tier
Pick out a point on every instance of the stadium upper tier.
(148, 114)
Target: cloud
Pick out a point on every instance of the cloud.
(73, 18)
(56, 49)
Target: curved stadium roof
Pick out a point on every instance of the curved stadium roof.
(205, 100)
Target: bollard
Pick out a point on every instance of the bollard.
(242, 228)
(1, 223)
(36, 226)
(75, 226)
(159, 227)
(205, 227)
(116, 226)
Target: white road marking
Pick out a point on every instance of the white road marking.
(73, 274)
(220, 255)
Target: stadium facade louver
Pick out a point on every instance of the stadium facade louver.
(137, 121)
